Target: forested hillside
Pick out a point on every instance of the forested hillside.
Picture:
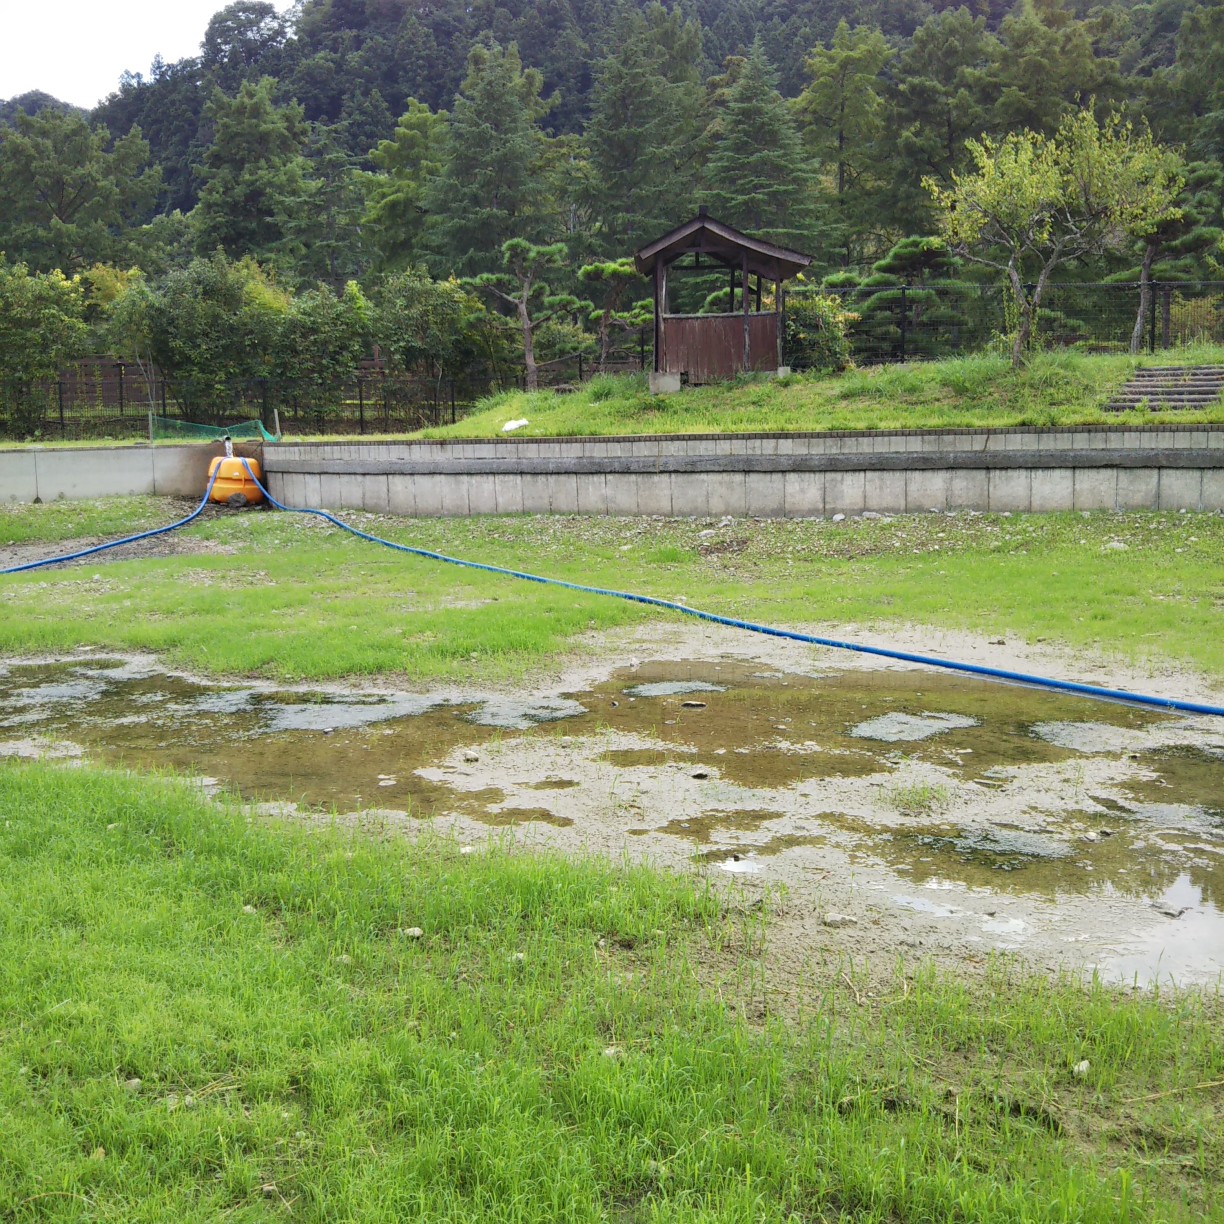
(364, 140)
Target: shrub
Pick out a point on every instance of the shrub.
(816, 327)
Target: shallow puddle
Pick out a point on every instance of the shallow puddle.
(942, 792)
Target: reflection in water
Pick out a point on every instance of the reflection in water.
(785, 762)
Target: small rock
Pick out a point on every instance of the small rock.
(839, 518)
(1091, 837)
(612, 1051)
(699, 773)
(471, 757)
(1168, 909)
(467, 849)
(839, 920)
(99, 1153)
(690, 705)
(1116, 546)
(249, 909)
(344, 958)
(520, 957)
(1081, 1069)
(329, 730)
(567, 741)
(1105, 832)
(189, 1102)
(112, 825)
(872, 514)
(412, 932)
(705, 535)
(998, 642)
(133, 1084)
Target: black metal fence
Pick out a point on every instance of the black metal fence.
(113, 400)
(908, 323)
(104, 398)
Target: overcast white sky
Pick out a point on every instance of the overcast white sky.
(76, 49)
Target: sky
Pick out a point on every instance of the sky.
(76, 49)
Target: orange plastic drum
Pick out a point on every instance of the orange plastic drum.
(233, 481)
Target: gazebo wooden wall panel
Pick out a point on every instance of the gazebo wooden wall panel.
(711, 347)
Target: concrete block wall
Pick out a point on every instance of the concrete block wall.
(32, 474)
(1167, 467)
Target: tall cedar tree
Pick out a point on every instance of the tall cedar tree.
(942, 96)
(251, 172)
(759, 174)
(842, 110)
(646, 120)
(493, 188)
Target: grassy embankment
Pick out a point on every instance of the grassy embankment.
(285, 596)
(1057, 388)
(205, 1018)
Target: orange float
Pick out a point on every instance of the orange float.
(233, 481)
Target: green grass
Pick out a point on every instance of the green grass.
(1055, 388)
(280, 595)
(563, 1042)
(108, 518)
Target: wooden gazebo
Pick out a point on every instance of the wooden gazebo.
(702, 348)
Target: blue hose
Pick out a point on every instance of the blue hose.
(144, 535)
(970, 669)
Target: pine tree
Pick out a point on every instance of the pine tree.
(644, 128)
(493, 188)
(842, 109)
(251, 172)
(759, 174)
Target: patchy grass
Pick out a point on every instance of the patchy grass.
(288, 597)
(1055, 388)
(105, 518)
(207, 1017)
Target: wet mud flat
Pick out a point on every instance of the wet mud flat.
(887, 812)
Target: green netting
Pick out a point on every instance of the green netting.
(244, 431)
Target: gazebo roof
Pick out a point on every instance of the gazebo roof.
(705, 236)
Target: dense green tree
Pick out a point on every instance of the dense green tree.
(1034, 203)
(322, 224)
(758, 171)
(842, 111)
(421, 323)
(168, 107)
(251, 172)
(1200, 80)
(942, 96)
(213, 327)
(643, 133)
(319, 344)
(492, 189)
(522, 287)
(1047, 67)
(42, 325)
(241, 41)
(614, 283)
(395, 213)
(72, 196)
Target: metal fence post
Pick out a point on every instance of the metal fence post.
(904, 320)
(1152, 318)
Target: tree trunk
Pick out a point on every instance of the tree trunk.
(1145, 296)
(605, 338)
(532, 379)
(1025, 328)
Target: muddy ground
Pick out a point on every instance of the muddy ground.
(879, 811)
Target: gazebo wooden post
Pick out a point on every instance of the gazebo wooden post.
(660, 293)
(779, 310)
(747, 305)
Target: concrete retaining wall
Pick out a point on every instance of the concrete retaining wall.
(766, 475)
(31, 474)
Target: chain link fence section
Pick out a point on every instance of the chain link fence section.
(952, 319)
